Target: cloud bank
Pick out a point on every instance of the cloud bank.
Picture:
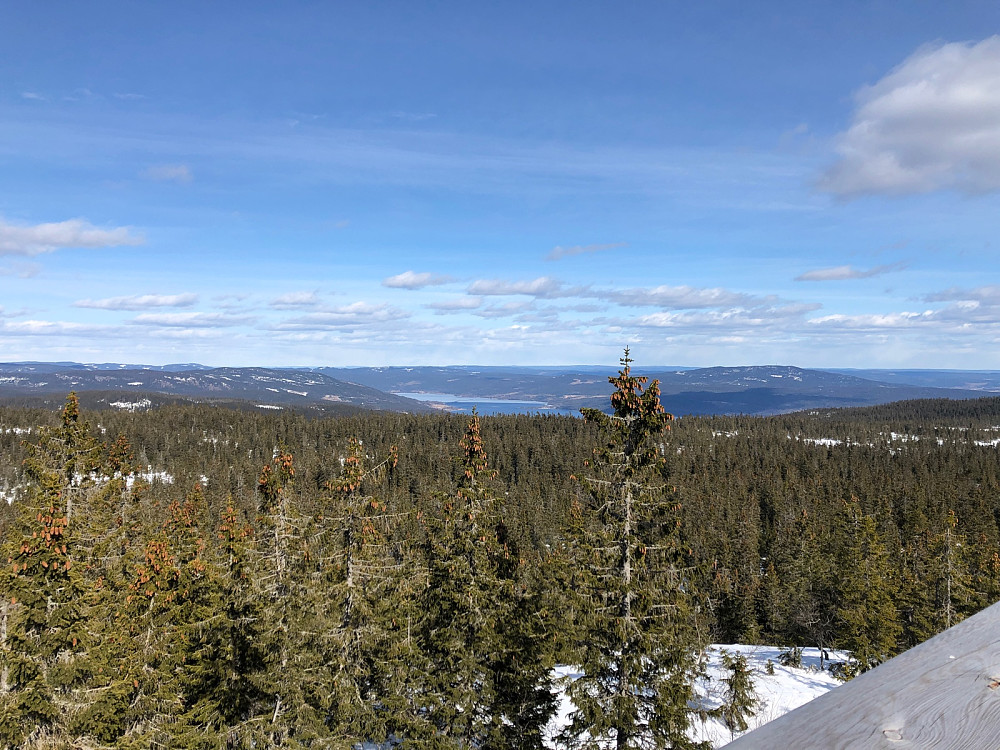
(413, 280)
(139, 302)
(932, 123)
(31, 240)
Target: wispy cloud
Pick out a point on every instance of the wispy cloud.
(983, 295)
(180, 173)
(357, 314)
(49, 328)
(31, 240)
(31, 95)
(413, 116)
(544, 287)
(139, 302)
(459, 304)
(878, 321)
(680, 297)
(559, 252)
(414, 280)
(932, 123)
(192, 320)
(506, 310)
(731, 320)
(295, 300)
(22, 270)
(845, 273)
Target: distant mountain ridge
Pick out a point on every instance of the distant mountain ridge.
(266, 386)
(753, 390)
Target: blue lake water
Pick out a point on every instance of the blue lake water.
(465, 404)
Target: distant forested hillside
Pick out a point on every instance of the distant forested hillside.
(202, 577)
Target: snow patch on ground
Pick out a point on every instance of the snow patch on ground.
(149, 476)
(139, 405)
(9, 493)
(786, 689)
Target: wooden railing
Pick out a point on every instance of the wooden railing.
(943, 694)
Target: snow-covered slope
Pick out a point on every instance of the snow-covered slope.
(778, 693)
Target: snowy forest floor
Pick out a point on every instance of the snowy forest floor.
(778, 693)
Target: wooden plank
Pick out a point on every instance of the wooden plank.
(943, 694)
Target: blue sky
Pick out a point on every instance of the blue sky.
(392, 183)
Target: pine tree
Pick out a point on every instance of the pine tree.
(641, 640)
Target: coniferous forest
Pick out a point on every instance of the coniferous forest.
(194, 577)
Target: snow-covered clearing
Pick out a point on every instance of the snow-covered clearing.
(149, 476)
(139, 405)
(787, 688)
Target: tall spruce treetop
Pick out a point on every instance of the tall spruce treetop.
(44, 601)
(638, 619)
(458, 627)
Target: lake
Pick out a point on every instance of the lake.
(483, 405)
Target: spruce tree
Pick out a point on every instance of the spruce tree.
(741, 701)
(641, 641)
(299, 691)
(482, 679)
(46, 603)
(371, 594)
(868, 619)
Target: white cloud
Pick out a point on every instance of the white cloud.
(32, 96)
(874, 321)
(986, 295)
(843, 273)
(559, 252)
(506, 310)
(347, 316)
(192, 319)
(543, 287)
(457, 305)
(37, 239)
(781, 317)
(139, 302)
(932, 123)
(21, 270)
(680, 297)
(49, 328)
(413, 280)
(294, 300)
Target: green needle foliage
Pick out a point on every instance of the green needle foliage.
(347, 598)
(638, 614)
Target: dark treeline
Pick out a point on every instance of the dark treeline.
(198, 577)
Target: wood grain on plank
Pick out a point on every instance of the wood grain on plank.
(943, 694)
